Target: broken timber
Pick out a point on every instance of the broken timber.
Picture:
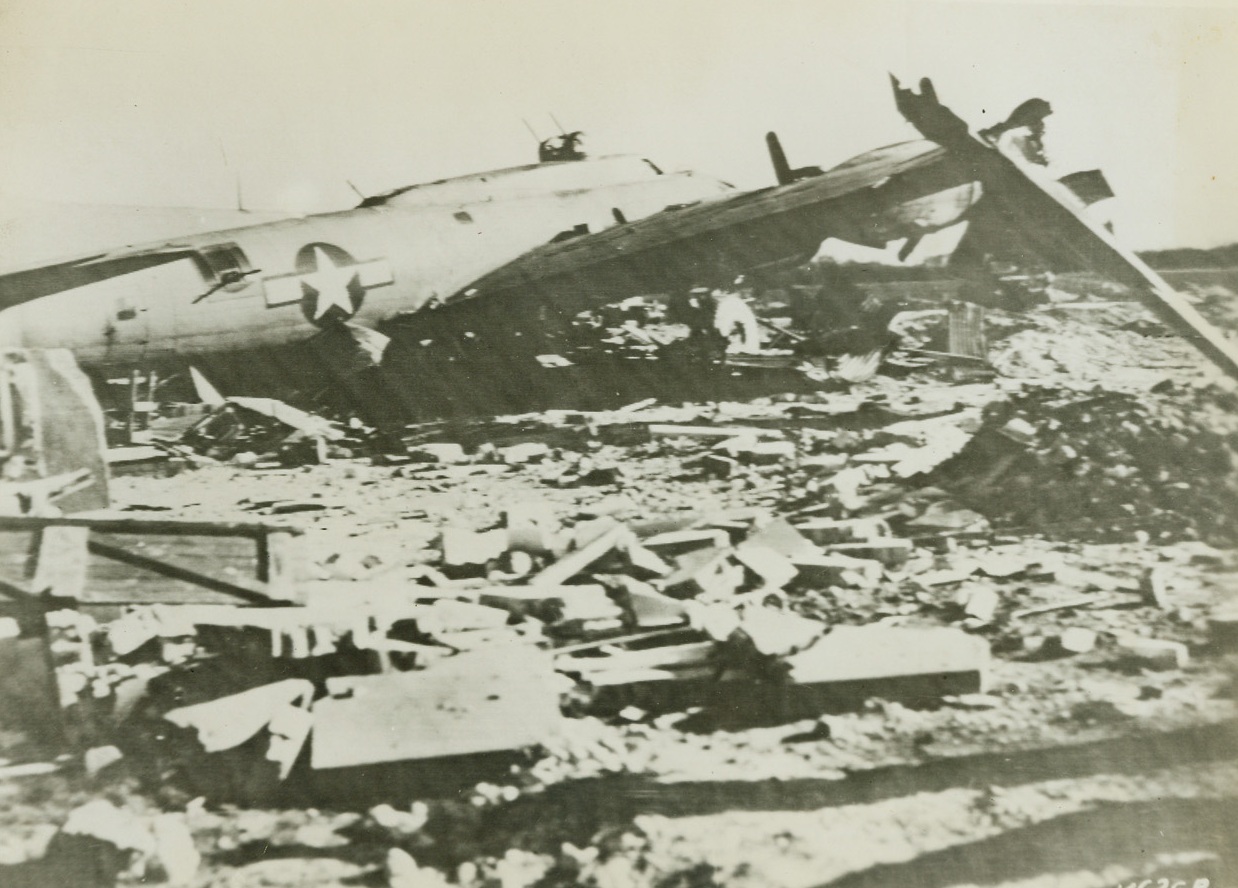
(142, 561)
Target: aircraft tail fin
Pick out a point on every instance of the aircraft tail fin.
(782, 170)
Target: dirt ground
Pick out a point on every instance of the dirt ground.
(1098, 466)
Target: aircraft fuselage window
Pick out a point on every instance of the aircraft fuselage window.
(227, 265)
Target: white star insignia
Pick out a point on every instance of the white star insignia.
(330, 284)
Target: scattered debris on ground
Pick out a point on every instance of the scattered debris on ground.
(673, 642)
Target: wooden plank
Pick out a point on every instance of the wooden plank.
(143, 561)
(17, 554)
(170, 526)
(618, 640)
(28, 769)
(115, 584)
(944, 356)
(16, 592)
(578, 561)
(252, 593)
(60, 566)
(670, 656)
(29, 698)
(239, 553)
(8, 416)
(277, 563)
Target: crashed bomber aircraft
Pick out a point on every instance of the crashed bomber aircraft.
(520, 247)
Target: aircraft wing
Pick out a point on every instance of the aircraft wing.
(713, 241)
(871, 200)
(1048, 216)
(27, 284)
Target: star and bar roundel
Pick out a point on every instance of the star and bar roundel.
(329, 284)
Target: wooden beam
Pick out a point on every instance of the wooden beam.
(146, 526)
(253, 594)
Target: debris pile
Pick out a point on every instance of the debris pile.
(1119, 346)
(863, 563)
(1102, 465)
(265, 433)
(773, 591)
(663, 615)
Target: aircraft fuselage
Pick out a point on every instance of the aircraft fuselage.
(363, 265)
(280, 283)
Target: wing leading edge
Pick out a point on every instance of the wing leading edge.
(29, 284)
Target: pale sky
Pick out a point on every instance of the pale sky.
(166, 102)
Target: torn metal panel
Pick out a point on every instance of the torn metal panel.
(773, 568)
(289, 728)
(649, 608)
(708, 573)
(227, 722)
(314, 426)
(710, 240)
(781, 537)
(892, 551)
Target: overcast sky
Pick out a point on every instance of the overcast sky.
(165, 103)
